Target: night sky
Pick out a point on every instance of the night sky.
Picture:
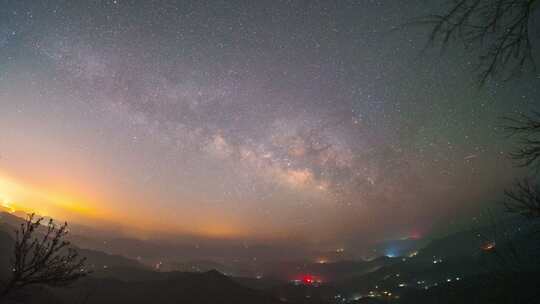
(312, 120)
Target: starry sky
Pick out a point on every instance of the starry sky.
(309, 120)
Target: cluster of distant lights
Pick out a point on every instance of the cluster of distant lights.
(371, 294)
(422, 284)
(428, 286)
(315, 281)
(392, 294)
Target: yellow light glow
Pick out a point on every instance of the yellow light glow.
(16, 194)
(30, 198)
(322, 261)
(7, 205)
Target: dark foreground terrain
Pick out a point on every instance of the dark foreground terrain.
(454, 269)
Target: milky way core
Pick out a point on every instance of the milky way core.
(308, 120)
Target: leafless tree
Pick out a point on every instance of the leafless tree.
(527, 128)
(43, 259)
(500, 29)
(524, 199)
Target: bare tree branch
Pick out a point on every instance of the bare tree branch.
(47, 259)
(527, 129)
(500, 28)
(523, 199)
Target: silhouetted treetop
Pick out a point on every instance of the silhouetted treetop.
(527, 129)
(43, 259)
(500, 29)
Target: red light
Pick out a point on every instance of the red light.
(308, 279)
(415, 235)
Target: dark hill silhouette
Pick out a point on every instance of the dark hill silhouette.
(209, 287)
(457, 258)
(120, 280)
(504, 288)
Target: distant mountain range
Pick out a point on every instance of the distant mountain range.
(485, 265)
(117, 279)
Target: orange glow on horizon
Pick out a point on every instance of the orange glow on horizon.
(16, 195)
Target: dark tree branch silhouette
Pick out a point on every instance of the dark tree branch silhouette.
(500, 31)
(524, 199)
(527, 128)
(43, 259)
(499, 28)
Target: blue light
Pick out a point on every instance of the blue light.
(390, 253)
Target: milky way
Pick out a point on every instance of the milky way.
(252, 119)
